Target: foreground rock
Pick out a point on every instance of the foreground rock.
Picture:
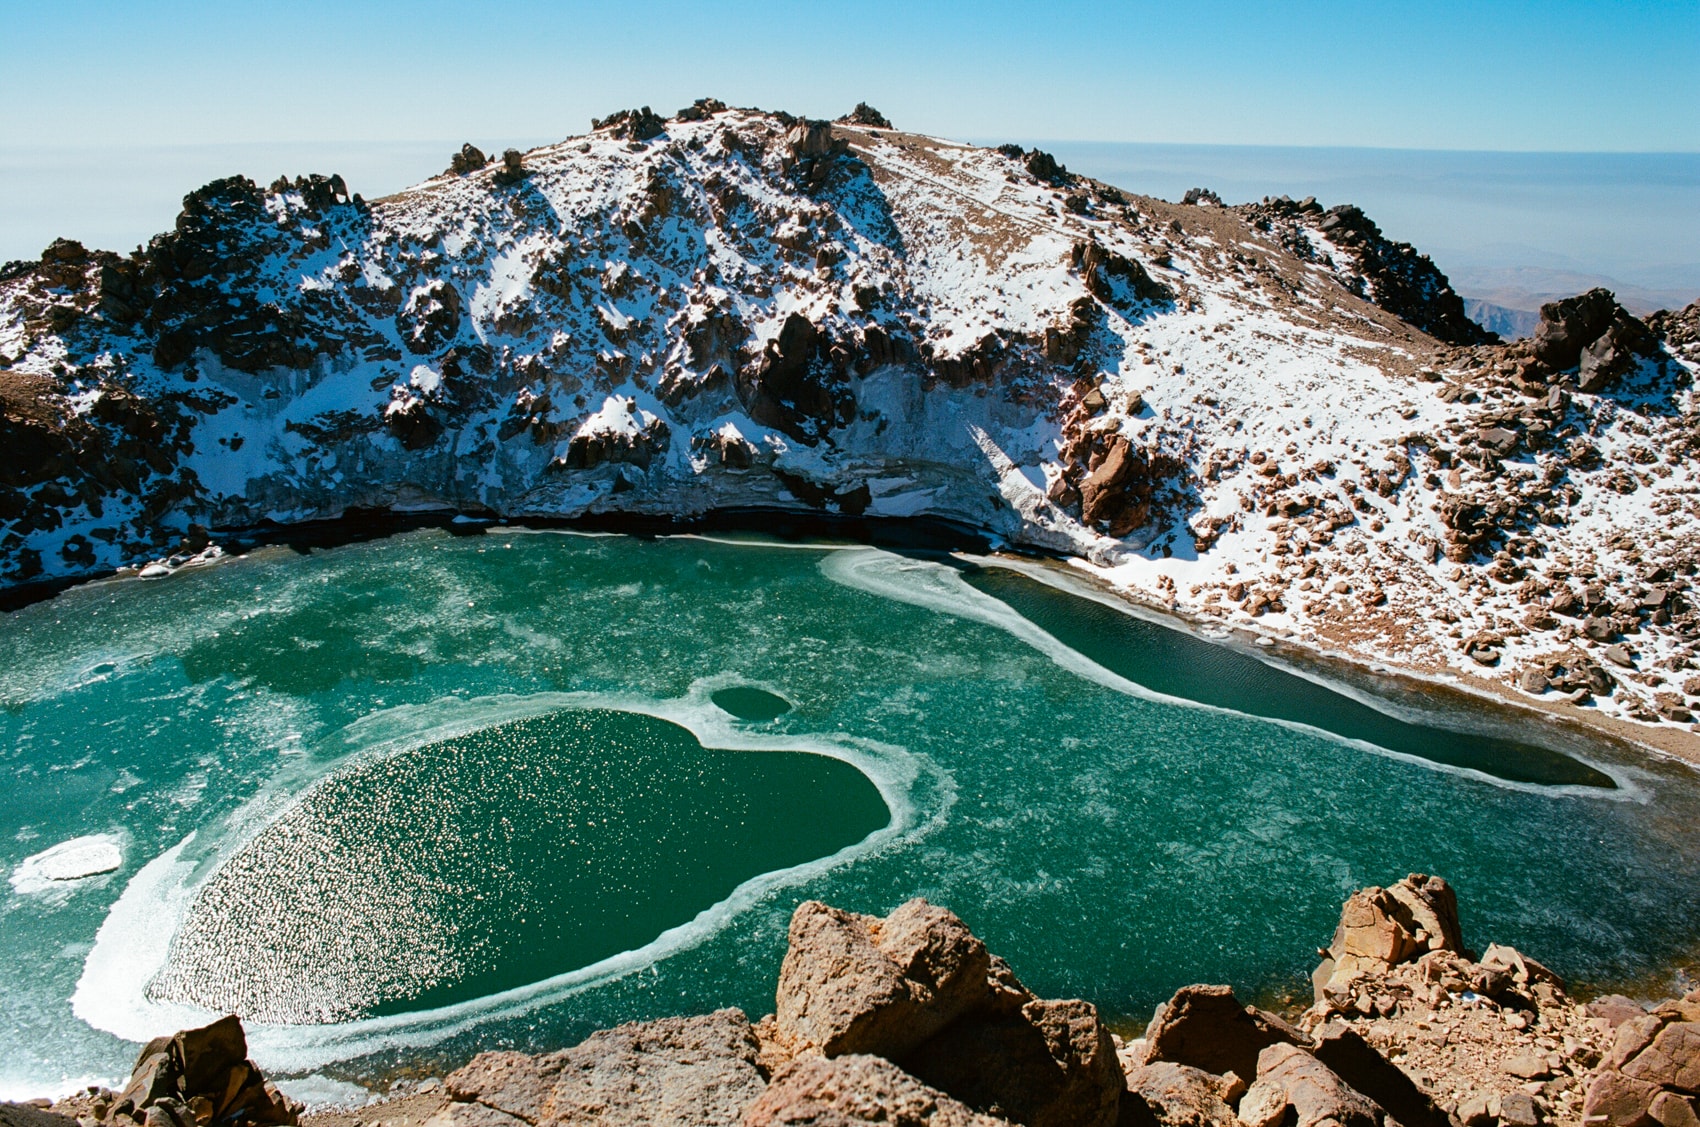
(908, 1020)
(190, 1079)
(1651, 1074)
(684, 1071)
(856, 1089)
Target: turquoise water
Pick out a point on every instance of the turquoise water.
(332, 757)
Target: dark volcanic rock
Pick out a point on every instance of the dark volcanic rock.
(1392, 275)
(866, 115)
(1569, 326)
(470, 159)
(634, 125)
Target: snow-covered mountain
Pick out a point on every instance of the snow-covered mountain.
(1268, 411)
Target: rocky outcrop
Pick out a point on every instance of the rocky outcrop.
(918, 988)
(676, 1072)
(867, 117)
(192, 1078)
(1391, 274)
(908, 1019)
(1383, 927)
(1651, 1073)
(855, 1089)
(859, 984)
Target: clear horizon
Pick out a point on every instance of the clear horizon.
(1500, 75)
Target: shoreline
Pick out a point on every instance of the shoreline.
(941, 536)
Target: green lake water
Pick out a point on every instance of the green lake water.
(401, 800)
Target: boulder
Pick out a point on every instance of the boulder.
(1295, 1089)
(859, 984)
(1206, 1027)
(1623, 344)
(1615, 1100)
(1567, 327)
(1178, 1095)
(1651, 1074)
(855, 1089)
(1671, 1110)
(206, 1068)
(688, 1072)
(1355, 1061)
(1049, 1064)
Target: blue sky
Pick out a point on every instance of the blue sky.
(1553, 75)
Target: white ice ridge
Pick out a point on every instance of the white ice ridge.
(74, 860)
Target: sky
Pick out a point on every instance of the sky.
(1556, 75)
(110, 112)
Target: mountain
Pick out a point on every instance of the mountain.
(1508, 324)
(1268, 411)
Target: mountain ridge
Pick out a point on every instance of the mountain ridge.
(738, 309)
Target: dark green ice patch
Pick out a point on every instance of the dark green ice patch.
(498, 859)
(746, 703)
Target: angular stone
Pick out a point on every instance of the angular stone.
(512, 1083)
(1296, 1089)
(1179, 1095)
(1672, 1060)
(1615, 1100)
(1632, 1036)
(1207, 1027)
(853, 983)
(1357, 1062)
(1673, 1110)
(206, 1055)
(855, 1089)
(1050, 1064)
(1517, 1109)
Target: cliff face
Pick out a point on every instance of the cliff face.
(1234, 410)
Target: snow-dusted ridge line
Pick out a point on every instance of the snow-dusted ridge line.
(744, 311)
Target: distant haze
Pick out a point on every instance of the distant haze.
(1510, 229)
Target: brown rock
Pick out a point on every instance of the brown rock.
(512, 1083)
(206, 1055)
(854, 1089)
(685, 1071)
(859, 984)
(1615, 1009)
(1672, 1060)
(1050, 1064)
(1207, 1027)
(1179, 1095)
(1672, 1110)
(471, 1115)
(1296, 1089)
(1615, 1100)
(1356, 1062)
(676, 1072)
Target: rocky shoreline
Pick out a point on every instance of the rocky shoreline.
(909, 1019)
